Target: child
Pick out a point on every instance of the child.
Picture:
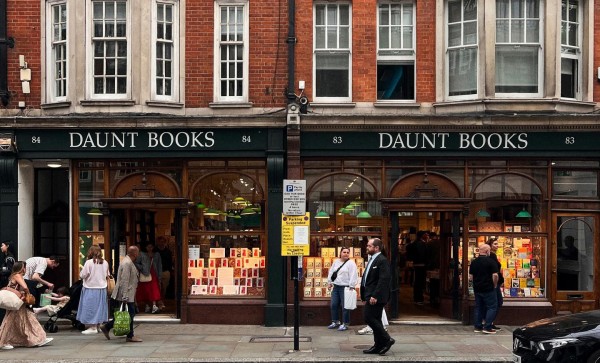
(60, 297)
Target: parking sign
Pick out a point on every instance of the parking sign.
(294, 197)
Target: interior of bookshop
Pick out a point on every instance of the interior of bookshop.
(430, 268)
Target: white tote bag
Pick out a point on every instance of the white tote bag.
(9, 300)
(349, 298)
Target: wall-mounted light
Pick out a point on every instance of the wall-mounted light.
(7, 143)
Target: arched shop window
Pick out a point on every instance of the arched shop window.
(511, 208)
(227, 239)
(345, 212)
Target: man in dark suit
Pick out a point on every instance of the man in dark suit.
(375, 291)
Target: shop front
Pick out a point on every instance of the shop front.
(536, 193)
(207, 196)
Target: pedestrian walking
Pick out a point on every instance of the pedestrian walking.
(125, 289)
(342, 275)
(93, 302)
(375, 292)
(20, 328)
(150, 266)
(484, 274)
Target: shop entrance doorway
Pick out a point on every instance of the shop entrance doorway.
(425, 262)
(153, 231)
(575, 262)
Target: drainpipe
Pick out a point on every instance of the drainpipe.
(291, 41)
(4, 43)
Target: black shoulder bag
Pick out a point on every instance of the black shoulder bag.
(334, 274)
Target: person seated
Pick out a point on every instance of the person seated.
(61, 297)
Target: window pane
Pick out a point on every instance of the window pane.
(454, 35)
(575, 183)
(395, 81)
(454, 11)
(516, 69)
(575, 253)
(462, 69)
(332, 73)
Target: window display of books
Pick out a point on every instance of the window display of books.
(241, 274)
(520, 259)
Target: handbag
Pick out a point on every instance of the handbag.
(349, 299)
(334, 274)
(122, 321)
(45, 300)
(10, 299)
(29, 299)
(110, 284)
(147, 278)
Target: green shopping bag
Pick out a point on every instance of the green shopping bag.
(122, 321)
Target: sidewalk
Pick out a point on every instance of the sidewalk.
(234, 343)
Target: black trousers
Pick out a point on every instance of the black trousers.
(372, 315)
(419, 284)
(33, 290)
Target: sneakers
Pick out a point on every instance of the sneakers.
(134, 340)
(7, 347)
(343, 327)
(92, 330)
(154, 309)
(147, 309)
(488, 331)
(477, 329)
(496, 328)
(104, 330)
(365, 331)
(333, 325)
(46, 341)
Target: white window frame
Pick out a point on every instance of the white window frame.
(337, 50)
(402, 55)
(90, 95)
(174, 97)
(218, 98)
(540, 50)
(576, 49)
(460, 47)
(51, 91)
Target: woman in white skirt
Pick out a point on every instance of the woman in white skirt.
(93, 303)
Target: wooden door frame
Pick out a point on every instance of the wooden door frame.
(589, 299)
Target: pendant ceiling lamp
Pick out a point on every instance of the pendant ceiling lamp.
(523, 214)
(483, 213)
(363, 214)
(322, 215)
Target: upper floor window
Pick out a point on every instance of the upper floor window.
(231, 55)
(570, 49)
(519, 64)
(396, 51)
(165, 50)
(57, 52)
(332, 56)
(462, 47)
(109, 51)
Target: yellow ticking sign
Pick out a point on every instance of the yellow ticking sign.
(295, 235)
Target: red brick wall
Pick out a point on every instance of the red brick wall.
(24, 26)
(364, 49)
(596, 87)
(425, 68)
(268, 53)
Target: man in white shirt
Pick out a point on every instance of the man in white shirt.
(35, 267)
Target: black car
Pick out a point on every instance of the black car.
(569, 338)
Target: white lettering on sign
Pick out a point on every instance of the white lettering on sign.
(437, 140)
(102, 140)
(410, 140)
(127, 139)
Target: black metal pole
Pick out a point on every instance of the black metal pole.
(294, 266)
